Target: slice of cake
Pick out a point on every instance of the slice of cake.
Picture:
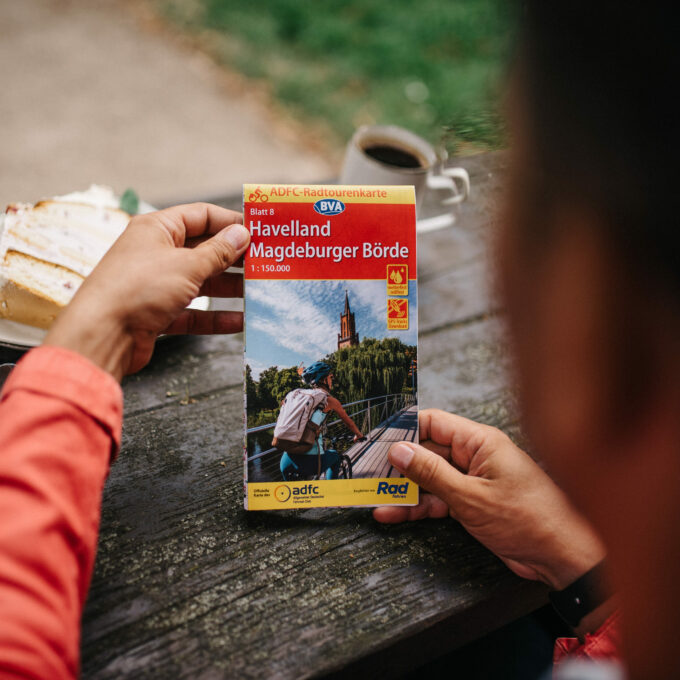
(47, 249)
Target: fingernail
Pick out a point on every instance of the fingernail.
(401, 456)
(237, 235)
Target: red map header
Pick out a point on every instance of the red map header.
(328, 238)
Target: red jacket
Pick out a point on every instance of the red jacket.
(60, 424)
(602, 645)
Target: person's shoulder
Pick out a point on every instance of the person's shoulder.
(332, 402)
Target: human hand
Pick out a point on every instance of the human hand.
(499, 494)
(142, 286)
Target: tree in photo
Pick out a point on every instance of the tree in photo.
(251, 390)
(372, 368)
(286, 379)
(265, 389)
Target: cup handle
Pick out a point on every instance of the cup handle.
(456, 180)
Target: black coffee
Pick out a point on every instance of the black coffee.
(393, 155)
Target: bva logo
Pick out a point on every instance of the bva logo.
(329, 206)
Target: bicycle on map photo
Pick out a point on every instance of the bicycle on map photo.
(300, 428)
(342, 469)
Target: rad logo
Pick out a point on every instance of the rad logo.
(329, 206)
(394, 490)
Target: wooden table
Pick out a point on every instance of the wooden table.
(189, 585)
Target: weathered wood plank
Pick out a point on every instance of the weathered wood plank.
(183, 367)
(453, 263)
(465, 369)
(461, 294)
(462, 363)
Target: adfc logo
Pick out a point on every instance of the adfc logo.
(282, 493)
(257, 196)
(397, 279)
(397, 314)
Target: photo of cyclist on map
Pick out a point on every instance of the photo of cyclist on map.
(303, 415)
(329, 386)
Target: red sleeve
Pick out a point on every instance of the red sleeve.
(60, 423)
(603, 644)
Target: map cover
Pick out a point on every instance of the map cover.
(331, 344)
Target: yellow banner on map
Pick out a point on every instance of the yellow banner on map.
(332, 493)
(261, 194)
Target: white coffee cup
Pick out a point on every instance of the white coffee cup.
(387, 154)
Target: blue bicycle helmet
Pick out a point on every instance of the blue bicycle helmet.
(316, 372)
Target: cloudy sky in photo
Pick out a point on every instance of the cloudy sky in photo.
(293, 322)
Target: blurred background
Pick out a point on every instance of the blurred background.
(186, 99)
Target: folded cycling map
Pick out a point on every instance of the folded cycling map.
(331, 344)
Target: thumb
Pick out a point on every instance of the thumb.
(430, 471)
(221, 250)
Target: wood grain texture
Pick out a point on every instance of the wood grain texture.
(188, 585)
(454, 276)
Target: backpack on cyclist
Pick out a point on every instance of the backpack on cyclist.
(294, 431)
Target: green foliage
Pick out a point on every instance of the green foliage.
(262, 418)
(265, 396)
(265, 389)
(434, 66)
(286, 379)
(251, 391)
(372, 368)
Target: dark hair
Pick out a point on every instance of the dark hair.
(598, 81)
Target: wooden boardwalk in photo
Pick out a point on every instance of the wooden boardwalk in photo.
(369, 458)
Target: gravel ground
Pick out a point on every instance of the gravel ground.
(92, 94)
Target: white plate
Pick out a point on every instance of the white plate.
(20, 336)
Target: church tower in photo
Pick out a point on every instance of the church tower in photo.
(348, 336)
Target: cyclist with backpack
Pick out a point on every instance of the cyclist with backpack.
(298, 428)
